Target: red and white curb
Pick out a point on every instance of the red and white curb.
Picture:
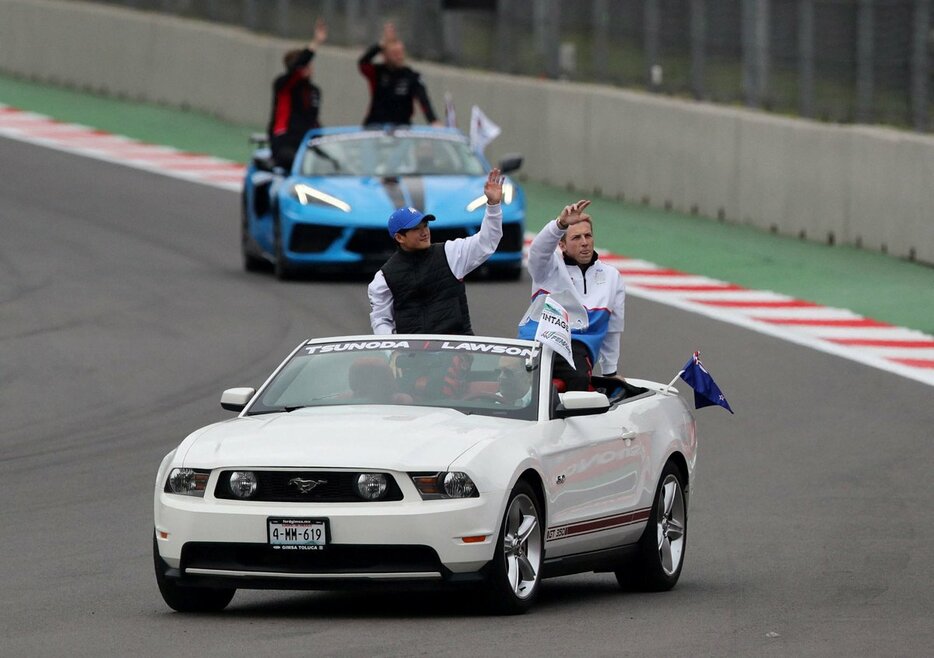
(92, 143)
(905, 352)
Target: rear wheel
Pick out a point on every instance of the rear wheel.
(661, 549)
(520, 549)
(188, 599)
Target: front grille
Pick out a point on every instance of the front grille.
(334, 558)
(445, 234)
(313, 239)
(336, 487)
(371, 242)
(512, 239)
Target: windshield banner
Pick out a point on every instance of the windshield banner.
(554, 329)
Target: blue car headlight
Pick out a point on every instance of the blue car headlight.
(306, 194)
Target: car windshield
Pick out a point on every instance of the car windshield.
(401, 153)
(487, 378)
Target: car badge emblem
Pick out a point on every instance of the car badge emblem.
(305, 486)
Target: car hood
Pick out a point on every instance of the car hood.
(370, 437)
(373, 199)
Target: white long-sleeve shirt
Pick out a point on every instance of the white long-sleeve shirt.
(464, 255)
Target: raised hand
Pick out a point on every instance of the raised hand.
(321, 32)
(389, 34)
(493, 189)
(574, 214)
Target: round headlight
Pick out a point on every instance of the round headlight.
(371, 486)
(243, 484)
(459, 485)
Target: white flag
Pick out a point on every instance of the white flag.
(450, 116)
(554, 330)
(482, 130)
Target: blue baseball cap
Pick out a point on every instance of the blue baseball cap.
(405, 218)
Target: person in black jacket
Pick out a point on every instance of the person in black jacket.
(393, 86)
(420, 289)
(295, 101)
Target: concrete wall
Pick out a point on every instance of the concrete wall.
(868, 186)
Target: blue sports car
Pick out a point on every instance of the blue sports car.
(330, 211)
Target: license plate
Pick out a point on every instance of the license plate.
(297, 534)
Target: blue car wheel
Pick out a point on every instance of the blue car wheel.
(281, 266)
(251, 261)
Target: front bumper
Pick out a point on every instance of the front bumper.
(224, 543)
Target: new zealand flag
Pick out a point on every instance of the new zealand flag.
(706, 391)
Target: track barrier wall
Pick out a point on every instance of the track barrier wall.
(857, 185)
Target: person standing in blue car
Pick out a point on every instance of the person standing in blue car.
(394, 87)
(564, 264)
(420, 289)
(296, 101)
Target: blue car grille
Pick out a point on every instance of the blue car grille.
(313, 239)
(376, 242)
(371, 242)
(376, 245)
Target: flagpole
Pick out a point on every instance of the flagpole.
(672, 382)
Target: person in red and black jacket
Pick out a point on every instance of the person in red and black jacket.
(295, 101)
(393, 85)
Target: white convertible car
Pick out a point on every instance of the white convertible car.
(446, 460)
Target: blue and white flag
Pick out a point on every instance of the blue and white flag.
(706, 391)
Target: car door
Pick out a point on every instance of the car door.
(594, 465)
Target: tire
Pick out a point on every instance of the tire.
(251, 262)
(187, 599)
(515, 574)
(662, 546)
(280, 265)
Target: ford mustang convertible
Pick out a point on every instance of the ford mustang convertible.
(330, 211)
(443, 461)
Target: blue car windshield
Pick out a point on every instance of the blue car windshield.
(385, 154)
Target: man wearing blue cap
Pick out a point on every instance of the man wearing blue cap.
(420, 289)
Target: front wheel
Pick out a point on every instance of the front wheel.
(188, 599)
(517, 562)
(281, 266)
(661, 549)
(251, 262)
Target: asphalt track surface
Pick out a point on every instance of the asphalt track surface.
(124, 312)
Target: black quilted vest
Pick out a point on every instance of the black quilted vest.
(426, 296)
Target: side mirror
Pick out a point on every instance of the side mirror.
(581, 403)
(235, 399)
(510, 162)
(262, 159)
